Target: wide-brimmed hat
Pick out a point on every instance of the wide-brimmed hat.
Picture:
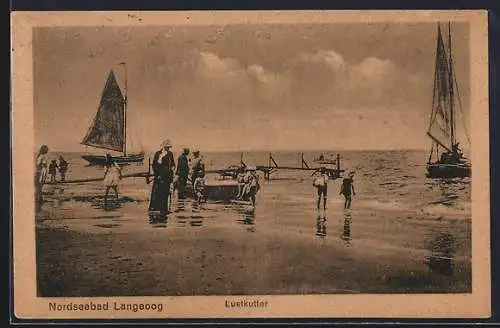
(196, 151)
(351, 174)
(166, 143)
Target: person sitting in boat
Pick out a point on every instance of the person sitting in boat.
(198, 166)
(112, 175)
(240, 177)
(53, 170)
(198, 187)
(457, 153)
(252, 184)
(63, 168)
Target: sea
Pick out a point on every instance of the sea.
(384, 180)
(395, 207)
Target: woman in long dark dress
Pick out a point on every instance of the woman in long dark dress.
(42, 162)
(163, 170)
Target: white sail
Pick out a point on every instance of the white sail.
(440, 126)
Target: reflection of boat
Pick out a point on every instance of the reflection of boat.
(450, 162)
(109, 128)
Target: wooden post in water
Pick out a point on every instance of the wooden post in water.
(338, 165)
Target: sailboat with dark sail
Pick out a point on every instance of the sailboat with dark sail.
(446, 159)
(109, 127)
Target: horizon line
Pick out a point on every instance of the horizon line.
(261, 150)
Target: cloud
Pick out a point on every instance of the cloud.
(331, 59)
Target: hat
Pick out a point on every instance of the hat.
(351, 174)
(196, 151)
(166, 143)
(251, 168)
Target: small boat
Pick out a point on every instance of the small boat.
(109, 127)
(217, 190)
(325, 161)
(449, 161)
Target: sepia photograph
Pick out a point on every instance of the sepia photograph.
(240, 160)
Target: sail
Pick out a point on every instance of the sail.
(440, 122)
(107, 129)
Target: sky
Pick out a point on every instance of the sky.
(247, 87)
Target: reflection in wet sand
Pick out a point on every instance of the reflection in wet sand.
(441, 247)
(346, 233)
(247, 218)
(321, 225)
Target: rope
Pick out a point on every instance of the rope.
(461, 110)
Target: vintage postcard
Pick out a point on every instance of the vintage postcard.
(250, 164)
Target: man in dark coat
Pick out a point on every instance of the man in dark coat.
(182, 173)
(163, 170)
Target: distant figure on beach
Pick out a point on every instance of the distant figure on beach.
(321, 183)
(347, 189)
(112, 176)
(53, 170)
(42, 163)
(252, 184)
(198, 166)
(163, 170)
(63, 168)
(182, 173)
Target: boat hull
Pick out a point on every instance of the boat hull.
(439, 170)
(120, 160)
(218, 191)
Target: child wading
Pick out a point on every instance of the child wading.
(53, 170)
(321, 184)
(112, 176)
(347, 189)
(63, 168)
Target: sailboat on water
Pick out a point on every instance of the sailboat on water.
(109, 127)
(446, 159)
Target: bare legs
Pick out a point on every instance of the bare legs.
(115, 188)
(347, 203)
(319, 202)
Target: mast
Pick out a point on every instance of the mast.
(125, 112)
(451, 85)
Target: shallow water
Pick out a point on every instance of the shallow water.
(396, 209)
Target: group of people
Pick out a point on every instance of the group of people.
(44, 169)
(452, 157)
(169, 177)
(346, 188)
(249, 183)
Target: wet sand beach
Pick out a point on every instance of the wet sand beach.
(396, 238)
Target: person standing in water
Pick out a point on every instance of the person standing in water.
(42, 163)
(112, 176)
(163, 170)
(198, 166)
(63, 168)
(182, 173)
(53, 170)
(321, 184)
(347, 189)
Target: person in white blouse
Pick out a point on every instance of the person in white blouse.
(41, 172)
